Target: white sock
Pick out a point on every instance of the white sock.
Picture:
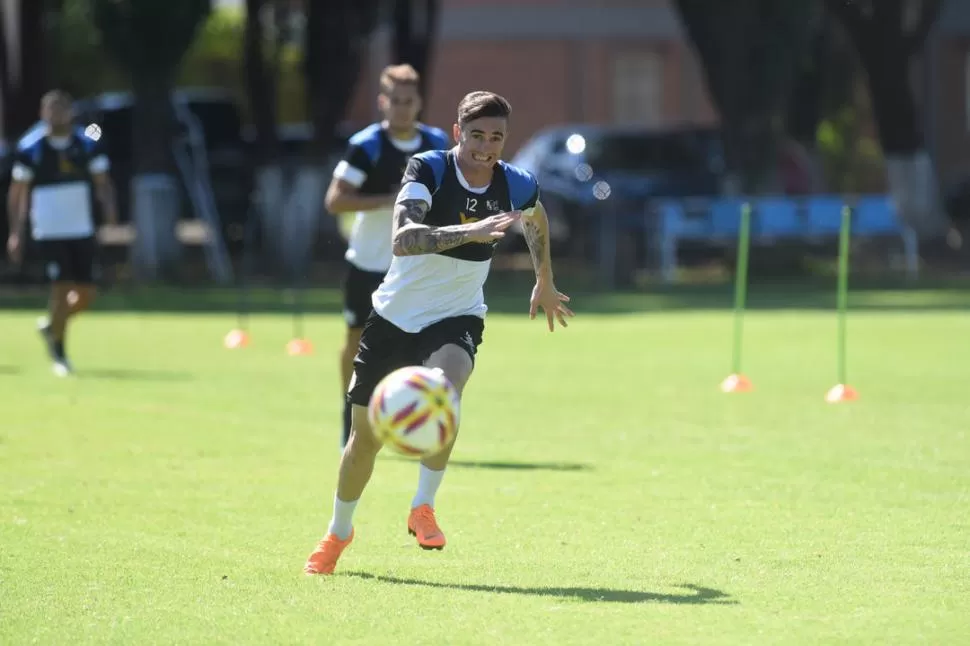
(428, 483)
(343, 514)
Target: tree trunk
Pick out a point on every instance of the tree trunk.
(156, 191)
(23, 77)
(33, 63)
(911, 176)
(824, 86)
(260, 86)
(910, 173)
(748, 50)
(148, 38)
(893, 103)
(262, 92)
(337, 33)
(415, 24)
(6, 92)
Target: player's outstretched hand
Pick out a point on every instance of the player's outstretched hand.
(492, 228)
(551, 300)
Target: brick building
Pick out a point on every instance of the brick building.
(558, 61)
(616, 61)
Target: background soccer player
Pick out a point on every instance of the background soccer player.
(51, 178)
(366, 181)
(430, 309)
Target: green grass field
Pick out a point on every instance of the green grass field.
(604, 490)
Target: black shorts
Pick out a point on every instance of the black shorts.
(358, 287)
(384, 348)
(69, 261)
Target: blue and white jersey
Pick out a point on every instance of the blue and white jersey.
(59, 170)
(374, 163)
(424, 289)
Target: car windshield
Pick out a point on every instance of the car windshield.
(639, 153)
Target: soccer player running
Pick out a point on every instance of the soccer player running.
(452, 209)
(366, 182)
(53, 171)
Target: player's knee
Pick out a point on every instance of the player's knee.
(85, 296)
(362, 437)
(60, 293)
(455, 363)
(362, 440)
(347, 354)
(351, 343)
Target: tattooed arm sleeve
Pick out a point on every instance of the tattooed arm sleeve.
(535, 227)
(412, 237)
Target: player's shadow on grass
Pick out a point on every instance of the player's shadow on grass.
(695, 595)
(9, 371)
(519, 466)
(133, 374)
(495, 465)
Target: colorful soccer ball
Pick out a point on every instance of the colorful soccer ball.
(414, 411)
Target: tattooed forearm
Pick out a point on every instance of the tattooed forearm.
(535, 229)
(416, 240)
(412, 238)
(535, 237)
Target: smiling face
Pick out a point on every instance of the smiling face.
(480, 142)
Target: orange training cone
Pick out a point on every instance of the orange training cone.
(841, 393)
(236, 339)
(737, 383)
(299, 347)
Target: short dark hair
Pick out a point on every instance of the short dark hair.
(398, 75)
(480, 104)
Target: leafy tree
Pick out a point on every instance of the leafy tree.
(147, 39)
(749, 50)
(887, 35)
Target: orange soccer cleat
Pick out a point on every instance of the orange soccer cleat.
(422, 524)
(323, 560)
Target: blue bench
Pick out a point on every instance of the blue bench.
(778, 218)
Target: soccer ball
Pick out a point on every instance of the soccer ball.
(414, 410)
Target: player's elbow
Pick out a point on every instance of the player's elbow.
(104, 188)
(332, 201)
(336, 199)
(398, 248)
(402, 242)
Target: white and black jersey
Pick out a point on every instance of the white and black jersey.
(59, 170)
(374, 163)
(421, 290)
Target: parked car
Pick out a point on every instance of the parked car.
(635, 163)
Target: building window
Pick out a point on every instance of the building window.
(638, 89)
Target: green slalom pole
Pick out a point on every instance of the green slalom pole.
(741, 286)
(842, 391)
(736, 381)
(842, 297)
